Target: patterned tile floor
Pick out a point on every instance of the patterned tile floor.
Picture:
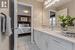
(25, 44)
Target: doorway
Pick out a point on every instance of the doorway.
(24, 24)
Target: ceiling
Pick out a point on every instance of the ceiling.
(61, 2)
(40, 0)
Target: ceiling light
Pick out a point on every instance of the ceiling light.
(46, 2)
(50, 4)
(26, 11)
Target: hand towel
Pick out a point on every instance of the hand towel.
(5, 24)
(8, 26)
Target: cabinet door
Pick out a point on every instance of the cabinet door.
(57, 45)
(43, 41)
(53, 45)
(36, 37)
(73, 46)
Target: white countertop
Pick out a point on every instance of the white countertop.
(55, 33)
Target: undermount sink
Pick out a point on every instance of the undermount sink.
(68, 34)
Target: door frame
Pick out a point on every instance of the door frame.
(15, 25)
(25, 4)
(15, 22)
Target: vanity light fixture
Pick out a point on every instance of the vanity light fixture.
(3, 4)
(48, 4)
(26, 11)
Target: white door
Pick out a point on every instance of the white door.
(37, 38)
(73, 46)
(40, 39)
(43, 41)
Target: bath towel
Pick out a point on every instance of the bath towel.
(3, 22)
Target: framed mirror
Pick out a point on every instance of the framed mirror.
(52, 19)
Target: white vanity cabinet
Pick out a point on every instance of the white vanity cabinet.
(58, 44)
(47, 42)
(40, 39)
(37, 38)
(43, 40)
(53, 45)
(73, 46)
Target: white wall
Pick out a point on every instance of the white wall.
(46, 17)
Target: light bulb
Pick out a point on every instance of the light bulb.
(5, 4)
(2, 4)
(26, 11)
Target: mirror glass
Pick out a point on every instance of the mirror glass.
(52, 19)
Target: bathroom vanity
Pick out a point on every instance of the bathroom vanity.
(52, 40)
